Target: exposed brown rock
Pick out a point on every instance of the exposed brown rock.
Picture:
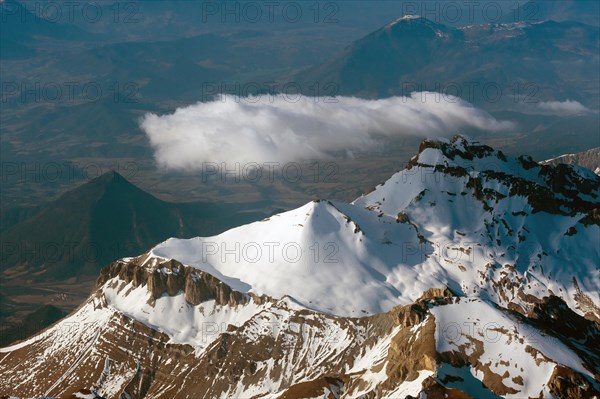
(437, 293)
(316, 388)
(568, 384)
(154, 367)
(434, 390)
(170, 277)
(407, 356)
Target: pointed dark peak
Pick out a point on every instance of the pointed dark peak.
(110, 180)
(110, 183)
(110, 177)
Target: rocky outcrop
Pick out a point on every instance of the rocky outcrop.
(580, 334)
(566, 383)
(556, 189)
(170, 277)
(589, 159)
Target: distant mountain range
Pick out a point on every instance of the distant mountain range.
(586, 11)
(471, 273)
(497, 66)
(589, 159)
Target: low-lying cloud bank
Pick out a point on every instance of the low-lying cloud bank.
(561, 108)
(284, 129)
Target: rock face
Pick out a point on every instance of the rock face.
(170, 277)
(565, 383)
(589, 159)
(556, 188)
(484, 323)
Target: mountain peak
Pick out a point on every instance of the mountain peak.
(418, 22)
(111, 176)
(112, 183)
(488, 175)
(408, 17)
(458, 146)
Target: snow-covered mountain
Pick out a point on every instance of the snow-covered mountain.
(468, 274)
(589, 159)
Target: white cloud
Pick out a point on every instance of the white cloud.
(283, 129)
(561, 108)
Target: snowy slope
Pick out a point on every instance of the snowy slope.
(468, 224)
(439, 345)
(469, 272)
(327, 260)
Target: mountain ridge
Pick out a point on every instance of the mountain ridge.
(220, 332)
(566, 10)
(589, 159)
(371, 225)
(417, 54)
